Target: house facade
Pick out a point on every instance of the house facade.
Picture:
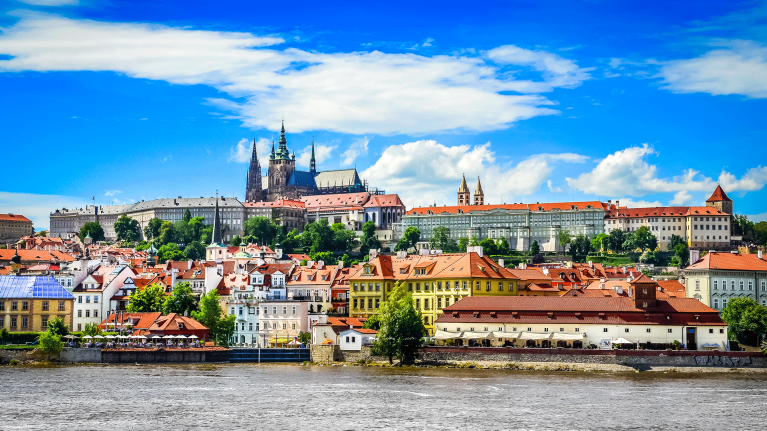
(719, 277)
(28, 303)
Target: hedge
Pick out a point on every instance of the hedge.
(20, 337)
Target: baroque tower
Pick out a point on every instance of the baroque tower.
(281, 167)
(479, 195)
(253, 189)
(463, 193)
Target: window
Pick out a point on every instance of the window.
(500, 286)
(293, 326)
(741, 285)
(439, 303)
(378, 287)
(626, 330)
(724, 303)
(355, 303)
(648, 330)
(355, 287)
(710, 331)
(250, 326)
(61, 305)
(25, 305)
(87, 299)
(418, 303)
(240, 310)
(266, 310)
(95, 313)
(604, 329)
(378, 302)
(697, 284)
(14, 306)
(13, 321)
(284, 326)
(24, 322)
(79, 313)
(284, 309)
(347, 339)
(370, 302)
(95, 299)
(670, 330)
(715, 284)
(44, 322)
(732, 285)
(716, 302)
(487, 286)
(87, 313)
(294, 310)
(750, 285)
(45, 305)
(721, 331)
(464, 285)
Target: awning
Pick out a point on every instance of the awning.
(506, 334)
(476, 335)
(567, 337)
(445, 335)
(535, 335)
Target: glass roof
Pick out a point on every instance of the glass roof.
(15, 286)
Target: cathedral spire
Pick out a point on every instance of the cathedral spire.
(312, 162)
(253, 188)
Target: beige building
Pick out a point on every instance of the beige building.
(13, 227)
(28, 303)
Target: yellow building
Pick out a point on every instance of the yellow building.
(436, 281)
(28, 303)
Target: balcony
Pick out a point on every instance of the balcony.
(335, 300)
(308, 298)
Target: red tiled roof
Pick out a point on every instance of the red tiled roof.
(730, 261)
(14, 217)
(36, 255)
(530, 207)
(280, 203)
(718, 195)
(384, 201)
(337, 200)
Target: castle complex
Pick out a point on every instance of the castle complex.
(284, 181)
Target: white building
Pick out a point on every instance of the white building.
(719, 277)
(93, 296)
(354, 339)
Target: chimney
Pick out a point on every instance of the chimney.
(545, 271)
(320, 264)
(591, 264)
(501, 263)
(619, 290)
(694, 256)
(173, 273)
(340, 264)
(609, 201)
(617, 203)
(759, 254)
(401, 254)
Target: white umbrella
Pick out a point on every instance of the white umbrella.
(111, 337)
(193, 336)
(70, 336)
(87, 336)
(98, 336)
(157, 336)
(180, 336)
(622, 341)
(168, 336)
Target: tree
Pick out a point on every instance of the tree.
(127, 229)
(187, 215)
(210, 315)
(440, 240)
(168, 234)
(641, 239)
(50, 344)
(742, 225)
(194, 228)
(93, 229)
(400, 327)
(674, 241)
(149, 299)
(746, 319)
(225, 329)
(563, 238)
(290, 242)
(347, 260)
(535, 248)
(325, 256)
(502, 246)
(462, 244)
(760, 233)
(152, 229)
(170, 251)
(262, 228)
(318, 236)
(473, 242)
(580, 247)
(615, 240)
(600, 242)
(58, 327)
(488, 247)
(182, 300)
(409, 239)
(344, 239)
(236, 241)
(195, 251)
(369, 238)
(91, 329)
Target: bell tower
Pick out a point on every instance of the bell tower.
(281, 167)
(463, 193)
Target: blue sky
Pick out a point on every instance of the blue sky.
(651, 104)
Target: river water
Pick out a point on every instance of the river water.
(283, 397)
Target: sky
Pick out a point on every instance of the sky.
(649, 103)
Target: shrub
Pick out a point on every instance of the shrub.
(50, 344)
(14, 362)
(21, 337)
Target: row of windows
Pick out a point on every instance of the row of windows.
(530, 329)
(713, 227)
(25, 305)
(87, 299)
(732, 285)
(14, 321)
(274, 310)
(275, 325)
(87, 313)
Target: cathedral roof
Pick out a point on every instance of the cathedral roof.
(341, 177)
(718, 195)
(301, 179)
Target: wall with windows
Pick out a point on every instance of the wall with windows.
(716, 288)
(27, 314)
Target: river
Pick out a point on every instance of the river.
(283, 397)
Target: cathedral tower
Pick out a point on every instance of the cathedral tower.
(479, 195)
(463, 193)
(281, 167)
(253, 189)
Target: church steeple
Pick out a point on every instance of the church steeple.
(463, 193)
(312, 162)
(253, 186)
(479, 195)
(282, 151)
(271, 156)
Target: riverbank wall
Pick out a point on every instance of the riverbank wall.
(333, 353)
(632, 358)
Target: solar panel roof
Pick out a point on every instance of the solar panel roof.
(39, 286)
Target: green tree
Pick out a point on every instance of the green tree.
(400, 327)
(182, 300)
(372, 323)
(473, 242)
(615, 240)
(440, 240)
(236, 241)
(318, 237)
(91, 329)
(170, 252)
(641, 239)
(600, 241)
(746, 319)
(462, 244)
(344, 239)
(535, 248)
(502, 246)
(127, 229)
(194, 229)
(291, 241)
(563, 238)
(225, 330)
(57, 326)
(580, 247)
(742, 225)
(325, 256)
(760, 233)
(50, 344)
(152, 229)
(149, 299)
(210, 315)
(206, 235)
(409, 239)
(187, 215)
(488, 247)
(93, 229)
(262, 228)
(369, 239)
(674, 241)
(195, 251)
(347, 260)
(168, 234)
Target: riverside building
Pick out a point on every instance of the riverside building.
(718, 277)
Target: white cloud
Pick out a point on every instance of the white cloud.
(740, 68)
(552, 188)
(356, 92)
(427, 42)
(557, 71)
(681, 198)
(627, 172)
(112, 192)
(51, 2)
(241, 152)
(38, 207)
(166, 158)
(424, 172)
(322, 152)
(356, 149)
(631, 203)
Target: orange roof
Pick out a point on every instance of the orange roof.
(530, 207)
(172, 321)
(384, 201)
(337, 200)
(300, 256)
(14, 217)
(36, 255)
(463, 265)
(280, 203)
(718, 195)
(730, 261)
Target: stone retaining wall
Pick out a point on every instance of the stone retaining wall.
(332, 353)
(151, 356)
(21, 355)
(678, 358)
(78, 355)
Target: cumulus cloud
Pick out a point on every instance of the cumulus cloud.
(356, 149)
(552, 188)
(112, 192)
(739, 68)
(628, 172)
(681, 198)
(355, 92)
(631, 203)
(424, 172)
(322, 152)
(241, 152)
